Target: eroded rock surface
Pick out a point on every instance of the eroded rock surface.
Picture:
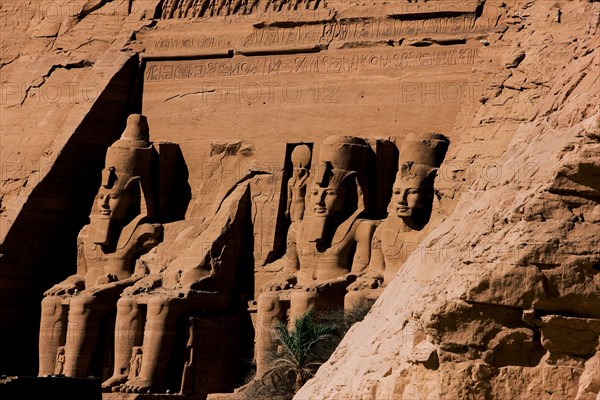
(505, 291)
(501, 298)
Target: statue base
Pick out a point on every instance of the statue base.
(140, 396)
(51, 387)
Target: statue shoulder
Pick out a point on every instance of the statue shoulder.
(365, 228)
(83, 234)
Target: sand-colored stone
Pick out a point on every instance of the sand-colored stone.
(502, 288)
(499, 298)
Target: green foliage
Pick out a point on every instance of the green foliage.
(301, 351)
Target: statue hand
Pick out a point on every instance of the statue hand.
(282, 282)
(366, 282)
(341, 281)
(106, 279)
(145, 284)
(105, 288)
(71, 285)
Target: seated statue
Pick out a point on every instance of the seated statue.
(118, 234)
(326, 249)
(409, 212)
(201, 280)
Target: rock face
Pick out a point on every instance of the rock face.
(279, 129)
(501, 299)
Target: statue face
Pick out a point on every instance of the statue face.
(327, 201)
(113, 203)
(407, 196)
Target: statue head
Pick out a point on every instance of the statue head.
(125, 187)
(301, 156)
(413, 190)
(335, 192)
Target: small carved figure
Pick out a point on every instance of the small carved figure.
(108, 247)
(188, 379)
(409, 212)
(136, 362)
(327, 249)
(60, 361)
(296, 189)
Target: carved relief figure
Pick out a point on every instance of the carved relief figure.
(60, 361)
(325, 250)
(189, 368)
(409, 212)
(119, 232)
(296, 189)
(136, 362)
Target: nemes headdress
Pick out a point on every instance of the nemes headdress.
(128, 161)
(421, 155)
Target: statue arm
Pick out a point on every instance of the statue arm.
(376, 265)
(363, 235)
(115, 288)
(288, 206)
(74, 283)
(372, 275)
(81, 250)
(286, 268)
(144, 238)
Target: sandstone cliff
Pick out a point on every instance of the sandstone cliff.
(502, 299)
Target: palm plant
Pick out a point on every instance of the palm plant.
(301, 351)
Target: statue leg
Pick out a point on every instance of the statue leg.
(300, 303)
(128, 333)
(53, 328)
(159, 336)
(354, 300)
(268, 314)
(82, 334)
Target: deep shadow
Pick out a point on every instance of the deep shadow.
(283, 223)
(40, 248)
(386, 168)
(174, 190)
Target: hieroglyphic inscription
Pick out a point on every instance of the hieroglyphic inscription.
(188, 42)
(363, 30)
(307, 64)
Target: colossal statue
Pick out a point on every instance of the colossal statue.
(409, 212)
(326, 250)
(200, 281)
(121, 230)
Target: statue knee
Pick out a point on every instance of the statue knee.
(51, 305)
(126, 305)
(303, 301)
(81, 304)
(159, 304)
(354, 300)
(268, 302)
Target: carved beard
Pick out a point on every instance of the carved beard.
(101, 233)
(316, 228)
